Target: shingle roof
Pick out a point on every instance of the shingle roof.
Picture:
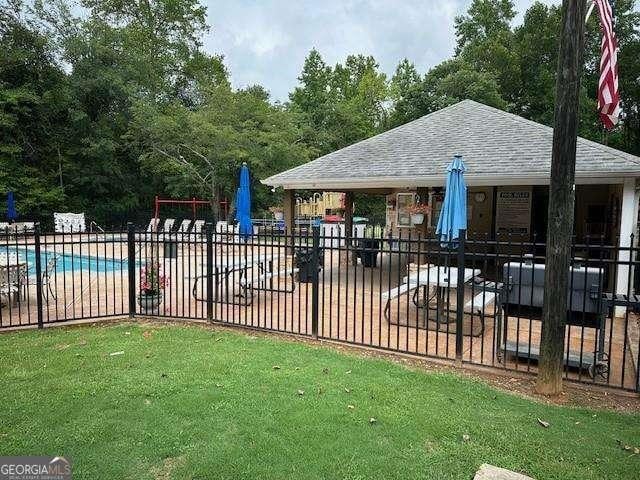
(497, 147)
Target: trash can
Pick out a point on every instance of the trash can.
(303, 262)
(170, 249)
(368, 252)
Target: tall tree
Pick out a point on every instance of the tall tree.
(485, 42)
(455, 80)
(536, 47)
(484, 19)
(341, 105)
(405, 90)
(310, 101)
(359, 91)
(198, 151)
(34, 109)
(157, 39)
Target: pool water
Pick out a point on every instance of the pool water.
(67, 262)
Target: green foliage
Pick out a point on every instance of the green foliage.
(455, 80)
(341, 105)
(198, 152)
(34, 102)
(405, 91)
(485, 19)
(100, 113)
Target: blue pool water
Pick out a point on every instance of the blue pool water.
(67, 262)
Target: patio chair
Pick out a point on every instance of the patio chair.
(168, 225)
(153, 225)
(197, 231)
(184, 226)
(48, 279)
(25, 227)
(10, 283)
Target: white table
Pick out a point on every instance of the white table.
(444, 279)
(440, 276)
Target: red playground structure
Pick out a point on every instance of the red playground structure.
(194, 203)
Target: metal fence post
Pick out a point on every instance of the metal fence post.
(460, 295)
(315, 254)
(209, 235)
(131, 267)
(38, 275)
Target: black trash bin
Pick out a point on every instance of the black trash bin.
(304, 261)
(368, 252)
(170, 249)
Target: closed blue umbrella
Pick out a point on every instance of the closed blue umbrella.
(453, 216)
(243, 204)
(12, 214)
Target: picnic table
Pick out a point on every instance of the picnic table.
(443, 279)
(262, 265)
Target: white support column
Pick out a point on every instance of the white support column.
(628, 220)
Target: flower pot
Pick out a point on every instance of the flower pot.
(149, 303)
(278, 215)
(417, 218)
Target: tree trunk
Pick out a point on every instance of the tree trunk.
(561, 198)
(215, 202)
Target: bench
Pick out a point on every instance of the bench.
(478, 303)
(396, 292)
(263, 277)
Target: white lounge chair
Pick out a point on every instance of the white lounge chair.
(68, 222)
(153, 225)
(22, 228)
(168, 225)
(184, 226)
(197, 231)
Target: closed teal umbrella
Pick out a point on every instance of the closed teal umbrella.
(453, 216)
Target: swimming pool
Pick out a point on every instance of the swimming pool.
(67, 262)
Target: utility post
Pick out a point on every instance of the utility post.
(561, 197)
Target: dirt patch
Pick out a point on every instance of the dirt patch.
(169, 464)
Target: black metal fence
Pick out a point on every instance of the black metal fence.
(476, 301)
(48, 278)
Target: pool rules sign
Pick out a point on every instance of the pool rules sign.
(513, 210)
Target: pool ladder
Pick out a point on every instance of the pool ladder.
(93, 225)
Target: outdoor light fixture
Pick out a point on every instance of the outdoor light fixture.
(480, 197)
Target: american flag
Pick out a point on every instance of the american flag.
(608, 96)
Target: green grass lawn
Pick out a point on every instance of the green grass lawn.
(191, 402)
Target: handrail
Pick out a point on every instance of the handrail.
(93, 224)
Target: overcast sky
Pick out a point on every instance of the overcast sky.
(266, 41)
